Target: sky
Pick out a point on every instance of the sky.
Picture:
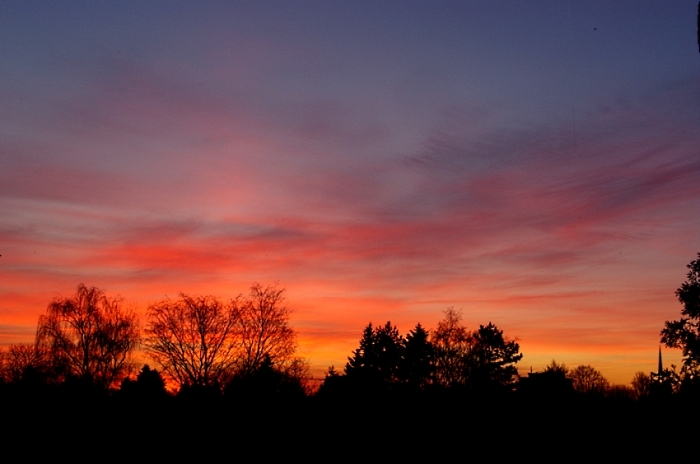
(532, 164)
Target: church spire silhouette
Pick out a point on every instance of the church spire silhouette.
(661, 365)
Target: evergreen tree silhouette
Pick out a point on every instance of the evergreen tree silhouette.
(375, 363)
(417, 366)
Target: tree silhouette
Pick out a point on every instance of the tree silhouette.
(557, 369)
(333, 384)
(376, 362)
(388, 349)
(417, 367)
(452, 344)
(148, 386)
(588, 380)
(362, 360)
(684, 333)
(202, 342)
(553, 382)
(478, 360)
(23, 361)
(89, 336)
(641, 385)
(666, 382)
(492, 358)
(193, 339)
(263, 331)
(265, 383)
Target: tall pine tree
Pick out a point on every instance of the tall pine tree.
(417, 366)
(375, 363)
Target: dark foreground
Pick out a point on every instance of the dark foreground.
(96, 425)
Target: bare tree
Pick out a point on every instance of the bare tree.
(198, 340)
(298, 369)
(263, 331)
(620, 392)
(452, 344)
(194, 339)
(21, 359)
(641, 384)
(89, 336)
(587, 379)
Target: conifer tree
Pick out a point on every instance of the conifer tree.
(376, 361)
(418, 363)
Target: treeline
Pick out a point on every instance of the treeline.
(453, 360)
(201, 346)
(225, 375)
(245, 347)
(199, 343)
(451, 357)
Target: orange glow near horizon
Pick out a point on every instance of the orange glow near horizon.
(329, 328)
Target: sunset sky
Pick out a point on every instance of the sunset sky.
(535, 164)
